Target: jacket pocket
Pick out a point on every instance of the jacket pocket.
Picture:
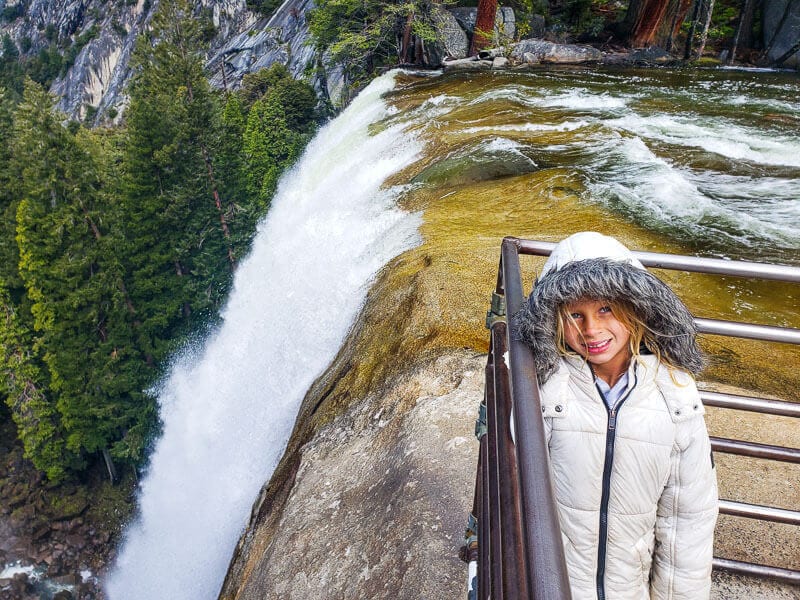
(644, 550)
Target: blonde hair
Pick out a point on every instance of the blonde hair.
(640, 334)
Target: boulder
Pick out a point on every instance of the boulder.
(781, 20)
(549, 52)
(466, 64)
(454, 42)
(651, 56)
(530, 58)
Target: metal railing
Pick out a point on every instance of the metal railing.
(514, 518)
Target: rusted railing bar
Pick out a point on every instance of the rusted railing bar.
(484, 532)
(484, 526)
(696, 264)
(760, 405)
(756, 511)
(755, 450)
(515, 581)
(545, 564)
(789, 576)
(767, 333)
(495, 540)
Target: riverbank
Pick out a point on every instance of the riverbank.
(56, 541)
(532, 52)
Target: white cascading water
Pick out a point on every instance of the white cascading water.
(228, 409)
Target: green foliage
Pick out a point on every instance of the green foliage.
(11, 73)
(51, 33)
(74, 281)
(34, 415)
(45, 66)
(723, 23)
(269, 145)
(362, 35)
(265, 7)
(297, 98)
(12, 13)
(119, 28)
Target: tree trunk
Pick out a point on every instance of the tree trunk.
(678, 10)
(736, 36)
(644, 18)
(484, 26)
(746, 38)
(706, 26)
(687, 52)
(112, 471)
(407, 38)
(218, 203)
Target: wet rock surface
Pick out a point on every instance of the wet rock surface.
(60, 537)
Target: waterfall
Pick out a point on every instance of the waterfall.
(228, 408)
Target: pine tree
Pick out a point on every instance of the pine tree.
(74, 282)
(9, 197)
(229, 162)
(280, 121)
(178, 244)
(34, 414)
(269, 146)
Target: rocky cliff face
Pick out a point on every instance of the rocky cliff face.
(106, 32)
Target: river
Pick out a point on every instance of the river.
(702, 162)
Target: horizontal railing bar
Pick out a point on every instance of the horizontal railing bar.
(756, 511)
(768, 333)
(755, 450)
(744, 568)
(780, 408)
(696, 264)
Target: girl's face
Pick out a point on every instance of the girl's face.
(595, 333)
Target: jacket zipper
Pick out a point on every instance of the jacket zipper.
(611, 435)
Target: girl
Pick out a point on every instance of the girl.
(632, 469)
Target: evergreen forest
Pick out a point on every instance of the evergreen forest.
(118, 245)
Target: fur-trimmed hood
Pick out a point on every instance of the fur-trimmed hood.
(589, 265)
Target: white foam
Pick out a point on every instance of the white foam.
(530, 127)
(17, 568)
(719, 137)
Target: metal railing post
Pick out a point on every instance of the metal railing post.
(495, 538)
(545, 564)
(515, 581)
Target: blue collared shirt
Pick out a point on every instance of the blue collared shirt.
(611, 395)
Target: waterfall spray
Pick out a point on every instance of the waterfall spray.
(229, 407)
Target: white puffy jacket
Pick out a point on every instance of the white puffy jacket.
(636, 488)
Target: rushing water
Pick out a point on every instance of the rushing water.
(228, 410)
(709, 160)
(709, 157)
